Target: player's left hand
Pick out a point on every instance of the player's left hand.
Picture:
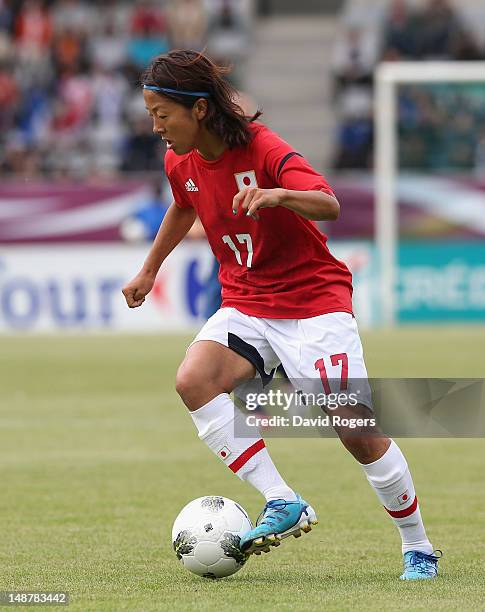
(250, 200)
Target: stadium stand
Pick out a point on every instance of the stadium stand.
(393, 30)
(69, 69)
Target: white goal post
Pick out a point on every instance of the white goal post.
(388, 76)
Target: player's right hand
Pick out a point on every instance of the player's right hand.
(137, 289)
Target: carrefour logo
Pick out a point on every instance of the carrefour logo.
(67, 303)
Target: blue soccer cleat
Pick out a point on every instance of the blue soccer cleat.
(279, 519)
(420, 566)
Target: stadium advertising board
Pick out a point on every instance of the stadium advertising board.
(78, 288)
(56, 288)
(441, 281)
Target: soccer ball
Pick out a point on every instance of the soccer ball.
(206, 536)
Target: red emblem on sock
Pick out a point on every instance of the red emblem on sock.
(224, 452)
(405, 512)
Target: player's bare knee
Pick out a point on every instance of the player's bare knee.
(181, 381)
(208, 370)
(196, 384)
(187, 381)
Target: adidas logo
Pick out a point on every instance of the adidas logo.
(191, 186)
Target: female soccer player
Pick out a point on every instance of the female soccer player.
(286, 299)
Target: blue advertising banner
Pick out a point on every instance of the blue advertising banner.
(441, 281)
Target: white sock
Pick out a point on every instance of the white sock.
(216, 423)
(391, 480)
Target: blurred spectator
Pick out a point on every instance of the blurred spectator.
(264, 7)
(143, 224)
(6, 18)
(68, 50)
(419, 126)
(73, 15)
(109, 91)
(399, 31)
(117, 14)
(149, 33)
(479, 161)
(108, 126)
(354, 57)
(69, 78)
(355, 143)
(438, 128)
(353, 61)
(148, 14)
(465, 47)
(33, 115)
(9, 96)
(74, 101)
(460, 141)
(434, 32)
(108, 49)
(143, 149)
(436, 28)
(228, 36)
(188, 24)
(33, 31)
(20, 160)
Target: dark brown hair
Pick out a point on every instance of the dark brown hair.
(187, 70)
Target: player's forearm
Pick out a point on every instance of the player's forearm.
(314, 205)
(174, 227)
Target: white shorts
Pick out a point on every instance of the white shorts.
(322, 353)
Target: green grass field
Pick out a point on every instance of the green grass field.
(97, 456)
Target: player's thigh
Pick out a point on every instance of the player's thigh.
(209, 363)
(228, 350)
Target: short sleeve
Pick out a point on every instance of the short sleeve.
(179, 193)
(288, 168)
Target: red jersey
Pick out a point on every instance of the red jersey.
(278, 267)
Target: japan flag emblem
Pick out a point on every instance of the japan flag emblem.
(246, 179)
(224, 452)
(403, 498)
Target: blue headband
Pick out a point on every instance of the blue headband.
(197, 94)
